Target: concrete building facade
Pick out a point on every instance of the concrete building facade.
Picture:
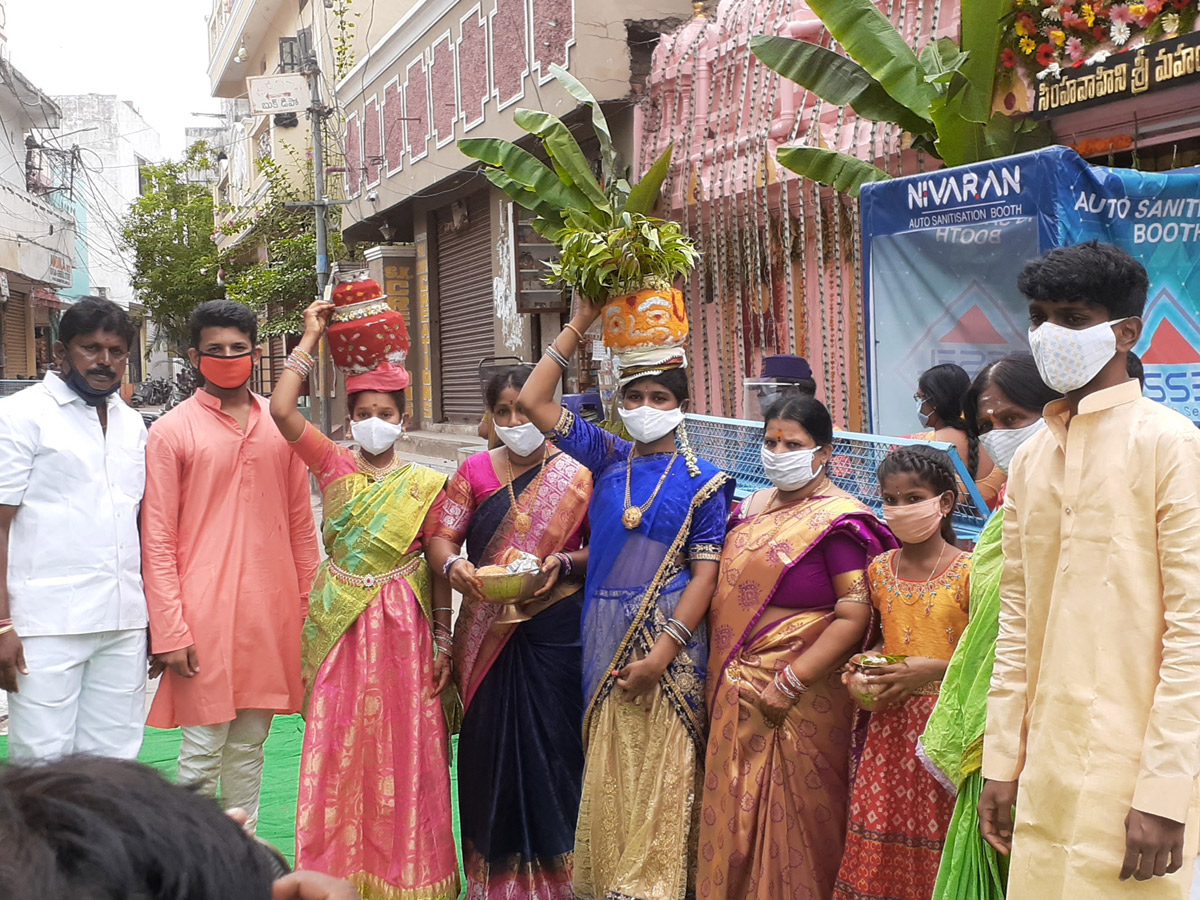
(465, 267)
(37, 230)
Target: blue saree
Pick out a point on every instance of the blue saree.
(638, 815)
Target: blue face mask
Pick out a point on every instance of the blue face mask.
(921, 416)
(92, 397)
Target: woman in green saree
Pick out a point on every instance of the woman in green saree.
(374, 797)
(1004, 409)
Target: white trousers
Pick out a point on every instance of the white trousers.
(85, 693)
(228, 759)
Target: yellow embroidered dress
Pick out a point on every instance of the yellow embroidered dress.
(898, 811)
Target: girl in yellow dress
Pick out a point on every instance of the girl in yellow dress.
(898, 811)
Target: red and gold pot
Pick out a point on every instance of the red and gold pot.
(365, 330)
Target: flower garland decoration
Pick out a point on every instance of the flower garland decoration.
(1044, 37)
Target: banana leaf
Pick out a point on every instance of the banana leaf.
(835, 79)
(875, 44)
(982, 27)
(549, 222)
(644, 195)
(572, 166)
(838, 170)
(942, 60)
(574, 87)
(528, 171)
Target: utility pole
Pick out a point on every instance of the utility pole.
(317, 113)
(320, 206)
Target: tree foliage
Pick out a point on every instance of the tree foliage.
(283, 283)
(168, 233)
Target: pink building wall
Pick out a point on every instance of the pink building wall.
(781, 268)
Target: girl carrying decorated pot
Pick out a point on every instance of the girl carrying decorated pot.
(657, 519)
(374, 805)
(520, 753)
(898, 811)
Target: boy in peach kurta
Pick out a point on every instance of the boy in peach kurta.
(229, 552)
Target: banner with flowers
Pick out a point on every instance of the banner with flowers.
(1044, 38)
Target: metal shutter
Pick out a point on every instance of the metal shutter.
(16, 327)
(464, 308)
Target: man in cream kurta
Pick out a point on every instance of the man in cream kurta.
(1095, 698)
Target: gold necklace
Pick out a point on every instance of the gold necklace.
(522, 520)
(632, 517)
(922, 590)
(377, 473)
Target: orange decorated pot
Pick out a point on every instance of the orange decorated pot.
(647, 320)
(364, 329)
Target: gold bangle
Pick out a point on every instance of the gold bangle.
(7, 628)
(578, 333)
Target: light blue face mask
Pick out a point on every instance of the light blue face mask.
(922, 417)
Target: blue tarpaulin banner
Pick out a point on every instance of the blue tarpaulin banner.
(942, 251)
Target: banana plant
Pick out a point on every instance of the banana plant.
(566, 196)
(941, 98)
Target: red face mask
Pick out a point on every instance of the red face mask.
(227, 372)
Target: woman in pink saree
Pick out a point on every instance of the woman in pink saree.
(520, 751)
(374, 805)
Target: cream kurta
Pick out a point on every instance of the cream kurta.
(1099, 646)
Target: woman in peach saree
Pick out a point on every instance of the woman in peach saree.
(791, 606)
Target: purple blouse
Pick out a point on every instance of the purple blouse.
(809, 583)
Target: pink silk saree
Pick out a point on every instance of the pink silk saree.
(374, 804)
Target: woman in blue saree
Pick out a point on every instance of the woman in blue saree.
(657, 520)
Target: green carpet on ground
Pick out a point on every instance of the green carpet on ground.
(281, 776)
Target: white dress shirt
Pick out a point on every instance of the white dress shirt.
(74, 556)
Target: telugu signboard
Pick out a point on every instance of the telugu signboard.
(942, 252)
(272, 94)
(1121, 76)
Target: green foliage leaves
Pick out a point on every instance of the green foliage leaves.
(875, 44)
(168, 233)
(640, 252)
(609, 244)
(838, 170)
(285, 282)
(941, 99)
(834, 78)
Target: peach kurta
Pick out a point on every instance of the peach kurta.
(229, 551)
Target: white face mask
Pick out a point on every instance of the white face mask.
(376, 435)
(523, 440)
(1002, 443)
(790, 471)
(647, 423)
(1068, 359)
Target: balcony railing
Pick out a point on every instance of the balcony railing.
(221, 14)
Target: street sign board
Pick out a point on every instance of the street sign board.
(270, 94)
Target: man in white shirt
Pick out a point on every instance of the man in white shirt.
(72, 610)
